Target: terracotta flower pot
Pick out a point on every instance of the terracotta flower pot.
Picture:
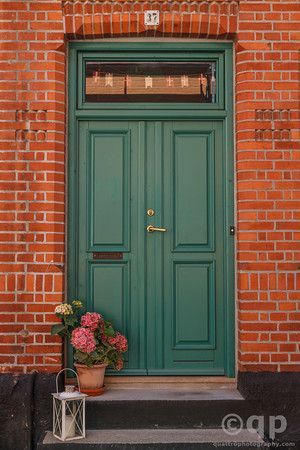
(91, 379)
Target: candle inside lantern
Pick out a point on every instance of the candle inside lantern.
(70, 426)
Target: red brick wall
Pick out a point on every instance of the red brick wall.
(32, 182)
(32, 171)
(268, 182)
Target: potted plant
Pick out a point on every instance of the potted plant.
(96, 344)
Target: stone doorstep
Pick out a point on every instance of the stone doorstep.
(189, 393)
(160, 436)
(166, 382)
(120, 408)
(156, 382)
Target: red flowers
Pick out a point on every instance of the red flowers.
(83, 339)
(119, 342)
(91, 320)
(119, 364)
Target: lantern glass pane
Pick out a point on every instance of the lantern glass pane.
(74, 418)
(57, 420)
(171, 82)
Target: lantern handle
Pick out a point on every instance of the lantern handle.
(62, 370)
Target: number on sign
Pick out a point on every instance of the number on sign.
(151, 17)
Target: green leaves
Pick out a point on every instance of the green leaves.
(88, 359)
(58, 329)
(72, 321)
(109, 331)
(80, 356)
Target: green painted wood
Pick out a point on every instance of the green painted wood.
(181, 312)
(109, 171)
(154, 263)
(109, 210)
(150, 114)
(152, 269)
(192, 300)
(178, 311)
(229, 197)
(202, 47)
(193, 181)
(108, 284)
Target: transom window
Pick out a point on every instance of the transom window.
(159, 82)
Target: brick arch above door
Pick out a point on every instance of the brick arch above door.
(87, 19)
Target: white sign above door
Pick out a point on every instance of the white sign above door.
(151, 17)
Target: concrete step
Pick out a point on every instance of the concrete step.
(149, 408)
(145, 439)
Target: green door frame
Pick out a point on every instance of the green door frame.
(222, 53)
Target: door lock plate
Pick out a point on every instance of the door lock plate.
(150, 212)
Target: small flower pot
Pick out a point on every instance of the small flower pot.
(91, 379)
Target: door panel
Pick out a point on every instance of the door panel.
(109, 172)
(193, 183)
(166, 292)
(193, 320)
(109, 284)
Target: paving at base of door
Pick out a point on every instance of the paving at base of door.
(173, 383)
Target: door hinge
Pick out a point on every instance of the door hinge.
(232, 230)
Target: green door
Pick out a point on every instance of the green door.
(163, 289)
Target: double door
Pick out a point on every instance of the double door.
(151, 253)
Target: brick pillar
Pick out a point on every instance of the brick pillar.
(32, 182)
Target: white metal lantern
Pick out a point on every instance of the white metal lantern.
(68, 412)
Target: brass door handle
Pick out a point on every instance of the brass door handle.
(151, 228)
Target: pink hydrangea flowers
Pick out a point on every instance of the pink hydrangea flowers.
(83, 339)
(91, 320)
(119, 342)
(119, 364)
(93, 338)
